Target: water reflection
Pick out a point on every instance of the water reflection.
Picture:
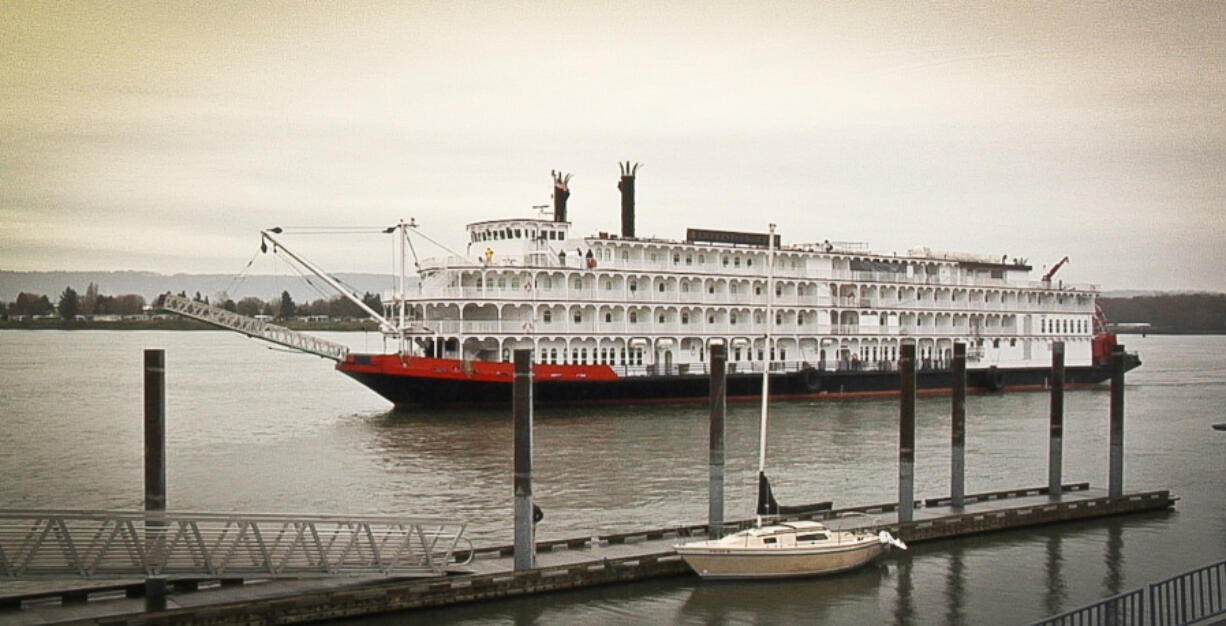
(1113, 581)
(904, 606)
(811, 600)
(1057, 592)
(955, 585)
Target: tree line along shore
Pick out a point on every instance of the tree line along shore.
(1174, 313)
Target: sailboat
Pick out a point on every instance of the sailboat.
(785, 549)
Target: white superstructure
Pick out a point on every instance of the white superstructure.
(653, 306)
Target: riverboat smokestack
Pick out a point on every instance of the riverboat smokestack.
(627, 188)
(561, 191)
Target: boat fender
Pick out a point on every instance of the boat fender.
(813, 380)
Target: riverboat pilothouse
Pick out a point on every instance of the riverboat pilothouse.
(617, 318)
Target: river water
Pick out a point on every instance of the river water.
(259, 430)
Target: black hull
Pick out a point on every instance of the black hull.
(405, 391)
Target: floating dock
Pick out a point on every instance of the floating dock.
(560, 565)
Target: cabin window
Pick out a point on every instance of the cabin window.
(689, 260)
(553, 356)
(574, 356)
(711, 288)
(517, 233)
(732, 288)
(676, 259)
(514, 283)
(578, 316)
(800, 319)
(661, 318)
(634, 285)
(685, 287)
(778, 319)
(702, 259)
(778, 290)
(736, 262)
(583, 356)
(652, 257)
(547, 316)
(748, 262)
(711, 318)
(770, 540)
(995, 343)
(732, 318)
(812, 537)
(661, 286)
(502, 283)
(685, 317)
(623, 356)
(608, 317)
(578, 283)
(757, 290)
(634, 317)
(608, 285)
(725, 259)
(546, 282)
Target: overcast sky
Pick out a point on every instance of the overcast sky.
(162, 136)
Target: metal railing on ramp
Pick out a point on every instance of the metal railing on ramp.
(44, 543)
(251, 327)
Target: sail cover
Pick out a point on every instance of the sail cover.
(768, 506)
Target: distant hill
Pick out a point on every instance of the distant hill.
(150, 284)
(1191, 313)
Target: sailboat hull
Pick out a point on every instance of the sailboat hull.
(724, 563)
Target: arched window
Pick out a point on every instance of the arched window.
(685, 317)
(578, 316)
(634, 317)
(608, 317)
(547, 316)
(661, 286)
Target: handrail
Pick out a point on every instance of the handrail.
(1187, 598)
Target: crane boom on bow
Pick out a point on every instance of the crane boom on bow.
(267, 236)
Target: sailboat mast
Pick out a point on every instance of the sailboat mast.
(770, 320)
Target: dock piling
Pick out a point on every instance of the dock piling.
(957, 457)
(1055, 454)
(525, 533)
(1115, 482)
(155, 462)
(719, 408)
(906, 435)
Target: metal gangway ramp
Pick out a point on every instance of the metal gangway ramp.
(251, 327)
(59, 544)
